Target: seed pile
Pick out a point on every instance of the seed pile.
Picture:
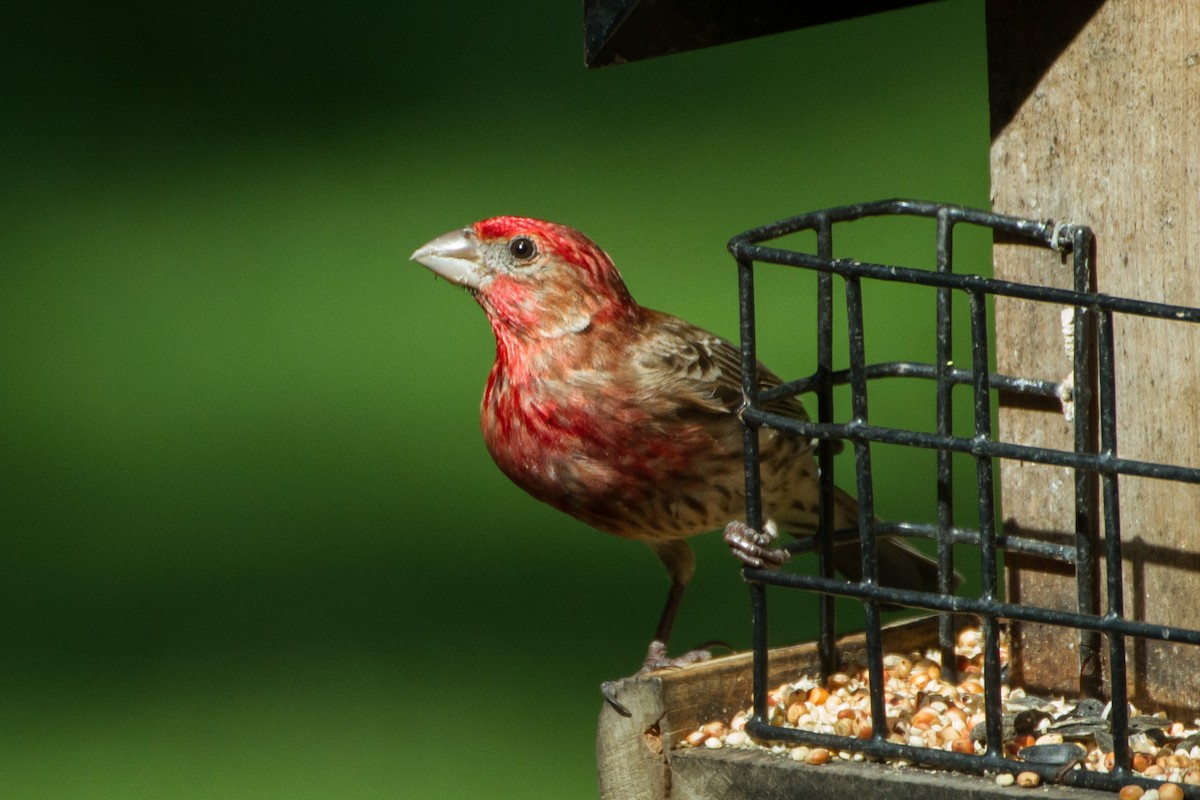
(924, 710)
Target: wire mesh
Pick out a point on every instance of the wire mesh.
(1094, 460)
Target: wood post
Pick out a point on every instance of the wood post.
(1096, 120)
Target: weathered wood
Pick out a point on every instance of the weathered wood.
(637, 758)
(634, 754)
(702, 774)
(1096, 120)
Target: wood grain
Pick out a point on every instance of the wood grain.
(634, 753)
(1096, 120)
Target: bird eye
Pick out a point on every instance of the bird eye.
(522, 248)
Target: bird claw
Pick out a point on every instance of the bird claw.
(752, 548)
(656, 658)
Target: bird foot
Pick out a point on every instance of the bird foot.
(752, 547)
(656, 658)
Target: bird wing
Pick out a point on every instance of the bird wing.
(705, 370)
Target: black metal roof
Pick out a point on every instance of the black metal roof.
(617, 31)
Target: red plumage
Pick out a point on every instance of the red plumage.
(625, 417)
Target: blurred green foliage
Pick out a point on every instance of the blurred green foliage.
(252, 544)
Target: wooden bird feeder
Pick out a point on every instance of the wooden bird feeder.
(1095, 120)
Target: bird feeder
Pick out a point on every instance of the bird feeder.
(1096, 187)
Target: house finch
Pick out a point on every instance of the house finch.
(627, 418)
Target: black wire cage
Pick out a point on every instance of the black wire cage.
(1099, 618)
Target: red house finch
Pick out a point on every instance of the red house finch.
(626, 418)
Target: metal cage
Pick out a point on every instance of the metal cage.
(1096, 470)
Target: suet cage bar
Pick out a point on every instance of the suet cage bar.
(1099, 616)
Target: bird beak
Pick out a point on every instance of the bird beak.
(454, 256)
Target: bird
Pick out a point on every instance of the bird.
(627, 418)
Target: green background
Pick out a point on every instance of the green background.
(252, 543)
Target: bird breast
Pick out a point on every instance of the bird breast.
(602, 458)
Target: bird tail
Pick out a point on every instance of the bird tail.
(901, 566)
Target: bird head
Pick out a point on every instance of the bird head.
(534, 279)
